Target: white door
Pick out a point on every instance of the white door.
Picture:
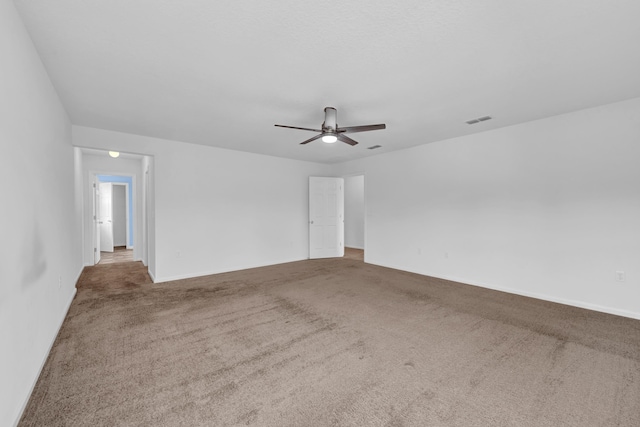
(106, 217)
(96, 221)
(326, 217)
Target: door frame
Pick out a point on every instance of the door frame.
(93, 179)
(94, 218)
(143, 201)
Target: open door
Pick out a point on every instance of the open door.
(326, 217)
(106, 217)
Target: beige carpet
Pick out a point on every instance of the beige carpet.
(331, 343)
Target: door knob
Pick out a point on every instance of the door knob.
(310, 222)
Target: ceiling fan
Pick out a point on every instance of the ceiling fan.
(330, 131)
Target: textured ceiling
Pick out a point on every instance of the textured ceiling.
(222, 73)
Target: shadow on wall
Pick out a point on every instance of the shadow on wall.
(33, 251)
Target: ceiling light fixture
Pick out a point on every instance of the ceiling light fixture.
(329, 139)
(114, 154)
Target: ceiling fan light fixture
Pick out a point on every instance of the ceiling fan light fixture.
(114, 154)
(330, 132)
(329, 139)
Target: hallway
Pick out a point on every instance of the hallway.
(119, 254)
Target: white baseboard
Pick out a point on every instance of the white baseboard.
(153, 278)
(354, 247)
(46, 356)
(544, 297)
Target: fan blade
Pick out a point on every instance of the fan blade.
(345, 138)
(311, 139)
(365, 128)
(293, 127)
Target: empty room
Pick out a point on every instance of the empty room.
(419, 213)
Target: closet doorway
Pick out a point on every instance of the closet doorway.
(354, 217)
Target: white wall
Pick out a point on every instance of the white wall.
(549, 208)
(40, 256)
(354, 211)
(105, 165)
(218, 210)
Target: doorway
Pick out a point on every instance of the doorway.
(354, 217)
(141, 232)
(114, 196)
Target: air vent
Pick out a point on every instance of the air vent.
(478, 120)
(374, 147)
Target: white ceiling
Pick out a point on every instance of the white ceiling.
(223, 72)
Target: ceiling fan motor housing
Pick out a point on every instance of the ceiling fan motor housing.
(330, 120)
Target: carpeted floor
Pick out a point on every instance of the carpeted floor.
(354, 254)
(331, 343)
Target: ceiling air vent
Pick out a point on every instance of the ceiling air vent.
(478, 120)
(374, 147)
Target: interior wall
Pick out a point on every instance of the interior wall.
(548, 208)
(105, 165)
(40, 258)
(354, 211)
(218, 210)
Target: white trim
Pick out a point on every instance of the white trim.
(543, 297)
(354, 247)
(153, 278)
(46, 356)
(93, 182)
